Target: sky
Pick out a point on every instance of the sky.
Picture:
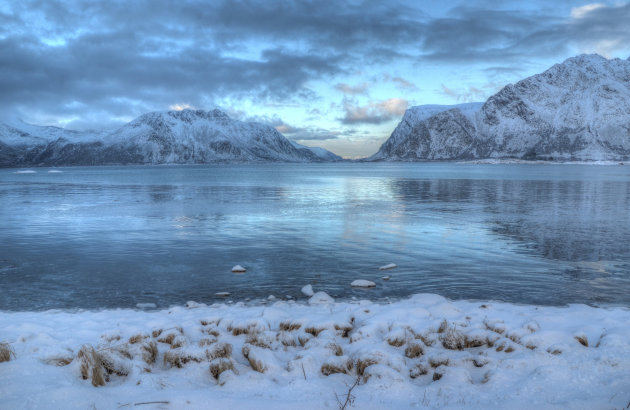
(335, 74)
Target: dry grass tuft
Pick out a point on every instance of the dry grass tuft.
(206, 342)
(414, 350)
(113, 361)
(363, 364)
(156, 333)
(426, 339)
(418, 370)
(531, 345)
(237, 331)
(554, 351)
(6, 352)
(314, 330)
(178, 342)
(443, 326)
(436, 361)
(91, 367)
(495, 327)
(289, 326)
(258, 339)
(59, 360)
(179, 358)
(480, 361)
(211, 332)
(500, 347)
(337, 367)
(453, 339)
(437, 376)
(218, 366)
(514, 337)
(337, 350)
(149, 352)
(206, 322)
(509, 349)
(168, 339)
(287, 339)
(137, 338)
(396, 341)
(475, 341)
(344, 329)
(219, 350)
(110, 339)
(257, 365)
(303, 339)
(582, 339)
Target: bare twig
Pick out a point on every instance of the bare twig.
(303, 372)
(143, 403)
(349, 396)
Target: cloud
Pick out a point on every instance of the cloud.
(470, 93)
(376, 112)
(404, 84)
(352, 90)
(583, 11)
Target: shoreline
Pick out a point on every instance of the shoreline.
(422, 351)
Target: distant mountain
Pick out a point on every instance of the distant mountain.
(576, 110)
(173, 137)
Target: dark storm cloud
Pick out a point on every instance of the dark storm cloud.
(78, 58)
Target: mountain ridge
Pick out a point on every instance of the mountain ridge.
(161, 137)
(575, 110)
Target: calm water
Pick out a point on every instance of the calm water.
(93, 237)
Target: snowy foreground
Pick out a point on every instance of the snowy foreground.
(424, 351)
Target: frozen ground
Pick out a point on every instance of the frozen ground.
(425, 351)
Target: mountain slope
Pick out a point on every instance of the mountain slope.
(173, 137)
(578, 110)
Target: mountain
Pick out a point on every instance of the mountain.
(576, 110)
(172, 137)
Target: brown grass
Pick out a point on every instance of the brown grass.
(500, 347)
(137, 338)
(219, 350)
(314, 330)
(287, 339)
(443, 326)
(303, 339)
(363, 364)
(531, 345)
(453, 339)
(237, 331)
(156, 333)
(91, 367)
(58, 360)
(582, 339)
(344, 329)
(259, 340)
(396, 341)
(437, 376)
(509, 349)
(492, 327)
(206, 322)
(428, 341)
(257, 365)
(480, 361)
(218, 366)
(436, 361)
(418, 370)
(331, 368)
(335, 348)
(475, 341)
(149, 352)
(211, 332)
(179, 358)
(6, 352)
(414, 350)
(554, 351)
(168, 339)
(289, 326)
(206, 342)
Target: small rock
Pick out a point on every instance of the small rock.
(362, 283)
(192, 304)
(385, 277)
(388, 266)
(222, 294)
(238, 269)
(271, 297)
(308, 290)
(320, 298)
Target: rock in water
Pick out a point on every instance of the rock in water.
(388, 266)
(308, 290)
(362, 283)
(238, 269)
(222, 294)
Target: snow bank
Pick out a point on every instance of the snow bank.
(425, 351)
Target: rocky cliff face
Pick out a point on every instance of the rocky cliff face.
(577, 110)
(173, 137)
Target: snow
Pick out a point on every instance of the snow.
(238, 269)
(320, 298)
(362, 283)
(388, 266)
(308, 290)
(422, 352)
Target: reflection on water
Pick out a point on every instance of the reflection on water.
(116, 236)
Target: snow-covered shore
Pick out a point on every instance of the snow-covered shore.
(425, 351)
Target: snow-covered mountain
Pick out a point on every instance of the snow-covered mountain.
(172, 137)
(576, 110)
